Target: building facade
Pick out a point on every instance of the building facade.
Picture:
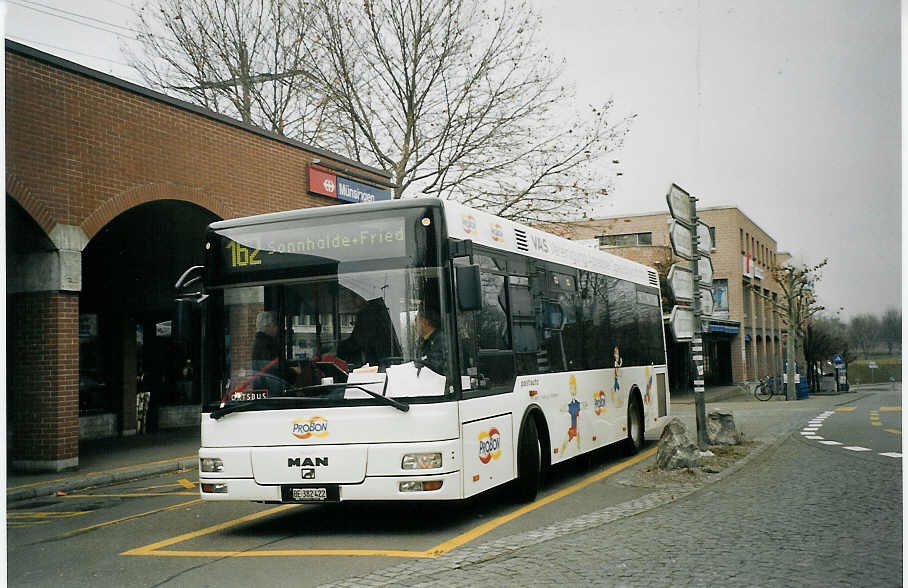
(109, 188)
(746, 332)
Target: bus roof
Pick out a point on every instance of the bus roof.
(498, 233)
(483, 229)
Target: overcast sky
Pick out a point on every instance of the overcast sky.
(788, 109)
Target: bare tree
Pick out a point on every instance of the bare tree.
(798, 305)
(457, 98)
(242, 58)
(864, 332)
(891, 328)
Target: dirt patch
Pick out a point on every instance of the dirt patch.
(724, 457)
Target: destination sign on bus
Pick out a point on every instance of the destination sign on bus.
(281, 245)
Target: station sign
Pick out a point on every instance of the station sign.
(328, 183)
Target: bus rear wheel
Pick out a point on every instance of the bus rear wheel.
(529, 462)
(634, 441)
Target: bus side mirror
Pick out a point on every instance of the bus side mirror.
(182, 321)
(469, 287)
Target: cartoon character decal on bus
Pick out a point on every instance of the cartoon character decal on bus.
(573, 408)
(648, 397)
(616, 390)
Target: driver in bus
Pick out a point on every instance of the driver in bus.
(431, 349)
(266, 347)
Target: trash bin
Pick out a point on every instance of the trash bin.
(801, 390)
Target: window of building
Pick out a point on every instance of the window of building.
(712, 235)
(741, 234)
(626, 239)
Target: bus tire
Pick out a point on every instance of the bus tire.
(634, 441)
(529, 462)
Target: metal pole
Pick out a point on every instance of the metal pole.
(696, 345)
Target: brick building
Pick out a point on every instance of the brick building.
(746, 331)
(109, 189)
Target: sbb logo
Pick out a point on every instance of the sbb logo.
(312, 427)
(489, 445)
(599, 400)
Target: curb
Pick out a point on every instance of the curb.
(89, 480)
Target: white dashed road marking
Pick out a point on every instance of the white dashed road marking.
(856, 448)
(830, 442)
(896, 455)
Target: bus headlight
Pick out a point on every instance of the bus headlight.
(420, 486)
(211, 464)
(421, 461)
(216, 488)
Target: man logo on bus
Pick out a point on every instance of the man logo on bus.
(489, 445)
(599, 402)
(573, 408)
(497, 233)
(312, 427)
(469, 224)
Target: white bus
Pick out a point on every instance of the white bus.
(415, 349)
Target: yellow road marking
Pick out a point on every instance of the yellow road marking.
(130, 495)
(156, 549)
(130, 517)
(186, 483)
(876, 423)
(45, 515)
(893, 431)
(845, 408)
(891, 408)
(25, 524)
(103, 472)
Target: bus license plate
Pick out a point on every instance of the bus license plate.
(310, 494)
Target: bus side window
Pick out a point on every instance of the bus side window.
(495, 357)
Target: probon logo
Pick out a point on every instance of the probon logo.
(312, 427)
(497, 233)
(469, 224)
(489, 445)
(599, 401)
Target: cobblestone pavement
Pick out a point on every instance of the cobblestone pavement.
(791, 515)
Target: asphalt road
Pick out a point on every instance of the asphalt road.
(823, 507)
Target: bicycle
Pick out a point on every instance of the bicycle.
(766, 388)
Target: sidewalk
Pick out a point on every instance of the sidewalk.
(106, 461)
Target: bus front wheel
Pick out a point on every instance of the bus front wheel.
(529, 462)
(634, 440)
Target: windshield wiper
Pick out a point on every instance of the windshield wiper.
(401, 406)
(266, 402)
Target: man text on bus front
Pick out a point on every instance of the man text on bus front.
(431, 350)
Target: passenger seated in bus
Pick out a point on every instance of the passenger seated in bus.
(373, 338)
(431, 349)
(266, 352)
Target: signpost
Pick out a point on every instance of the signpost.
(872, 365)
(691, 241)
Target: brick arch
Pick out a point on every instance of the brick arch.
(124, 201)
(42, 215)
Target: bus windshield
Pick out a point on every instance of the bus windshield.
(309, 338)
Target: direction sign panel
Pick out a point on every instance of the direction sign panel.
(705, 271)
(681, 323)
(706, 301)
(682, 243)
(705, 244)
(838, 361)
(680, 205)
(681, 283)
